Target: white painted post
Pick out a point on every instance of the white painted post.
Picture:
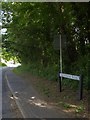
(60, 56)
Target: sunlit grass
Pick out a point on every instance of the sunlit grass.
(2, 64)
(75, 108)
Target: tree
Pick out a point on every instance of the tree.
(32, 26)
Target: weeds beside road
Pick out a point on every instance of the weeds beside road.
(66, 100)
(2, 64)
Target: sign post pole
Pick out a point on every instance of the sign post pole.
(73, 77)
(60, 88)
(60, 56)
(81, 87)
(60, 78)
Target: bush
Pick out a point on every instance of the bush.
(2, 64)
(82, 66)
(50, 72)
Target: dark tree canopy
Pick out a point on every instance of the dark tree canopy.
(31, 28)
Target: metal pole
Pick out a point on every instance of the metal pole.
(60, 77)
(81, 87)
(60, 87)
(60, 56)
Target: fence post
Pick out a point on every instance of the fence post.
(81, 87)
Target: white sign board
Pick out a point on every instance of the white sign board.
(70, 76)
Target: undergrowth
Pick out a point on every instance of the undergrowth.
(51, 72)
(2, 64)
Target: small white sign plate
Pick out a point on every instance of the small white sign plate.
(74, 77)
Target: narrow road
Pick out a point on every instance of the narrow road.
(29, 102)
(9, 107)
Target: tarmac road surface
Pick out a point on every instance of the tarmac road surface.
(9, 107)
(30, 104)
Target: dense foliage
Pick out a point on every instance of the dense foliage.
(31, 28)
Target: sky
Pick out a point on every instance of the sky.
(2, 31)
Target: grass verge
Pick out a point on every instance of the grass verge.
(2, 64)
(49, 89)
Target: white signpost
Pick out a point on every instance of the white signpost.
(57, 43)
(74, 77)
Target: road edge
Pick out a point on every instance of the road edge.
(17, 102)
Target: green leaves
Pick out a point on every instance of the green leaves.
(31, 27)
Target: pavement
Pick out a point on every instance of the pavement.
(28, 100)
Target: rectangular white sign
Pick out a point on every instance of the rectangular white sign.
(75, 77)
